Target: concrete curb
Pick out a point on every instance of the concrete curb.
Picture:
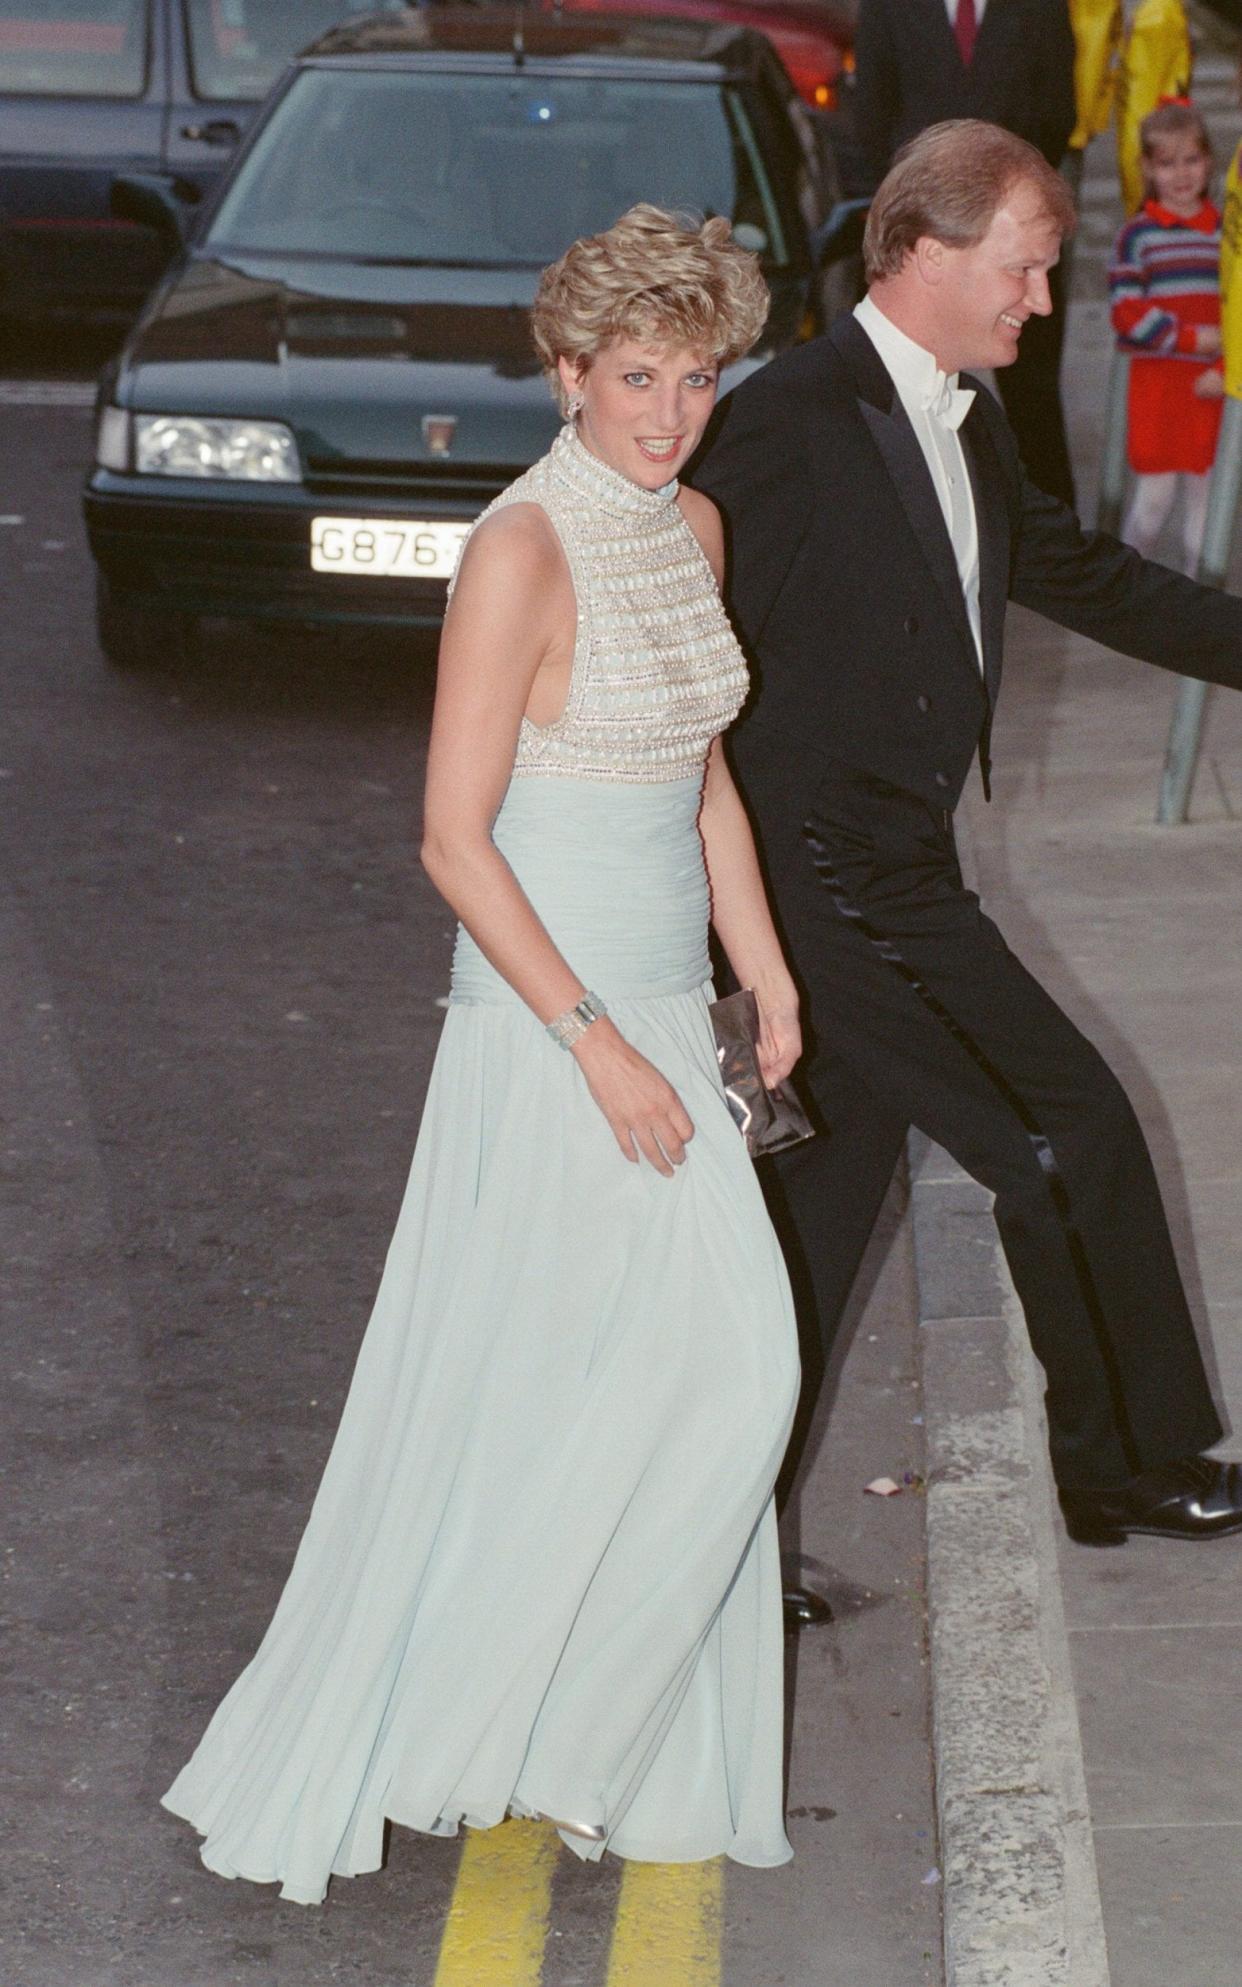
(1021, 1892)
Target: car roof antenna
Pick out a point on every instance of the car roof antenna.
(519, 35)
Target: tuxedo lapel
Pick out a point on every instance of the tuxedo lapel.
(898, 445)
(992, 522)
(907, 466)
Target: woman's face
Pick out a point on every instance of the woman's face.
(644, 407)
(1178, 170)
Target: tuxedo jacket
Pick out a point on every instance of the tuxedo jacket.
(844, 589)
(910, 73)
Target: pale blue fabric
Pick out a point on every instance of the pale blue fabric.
(616, 875)
(541, 1570)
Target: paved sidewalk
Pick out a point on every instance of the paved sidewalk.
(1128, 1660)
(1138, 932)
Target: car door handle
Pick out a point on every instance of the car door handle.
(218, 131)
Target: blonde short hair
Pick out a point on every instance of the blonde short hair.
(949, 183)
(661, 277)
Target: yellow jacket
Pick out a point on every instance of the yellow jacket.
(1097, 37)
(1156, 63)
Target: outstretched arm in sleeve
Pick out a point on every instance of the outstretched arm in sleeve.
(1097, 586)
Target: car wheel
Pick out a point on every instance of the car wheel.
(136, 632)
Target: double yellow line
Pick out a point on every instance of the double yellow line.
(666, 1929)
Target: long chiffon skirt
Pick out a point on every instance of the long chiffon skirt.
(540, 1573)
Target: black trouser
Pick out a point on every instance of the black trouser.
(1030, 391)
(920, 1014)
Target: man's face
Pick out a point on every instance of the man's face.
(985, 294)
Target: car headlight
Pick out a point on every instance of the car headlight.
(190, 445)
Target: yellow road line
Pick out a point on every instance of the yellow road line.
(498, 1921)
(668, 1926)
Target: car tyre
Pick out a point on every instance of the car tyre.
(137, 632)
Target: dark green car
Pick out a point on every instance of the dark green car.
(336, 376)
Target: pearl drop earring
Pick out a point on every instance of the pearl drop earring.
(574, 406)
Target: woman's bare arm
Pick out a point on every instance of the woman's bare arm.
(500, 630)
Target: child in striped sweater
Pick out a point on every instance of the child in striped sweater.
(1164, 286)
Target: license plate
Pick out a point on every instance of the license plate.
(387, 548)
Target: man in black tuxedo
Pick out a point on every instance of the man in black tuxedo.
(1012, 63)
(879, 517)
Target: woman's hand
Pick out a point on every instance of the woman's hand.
(1208, 340)
(642, 1107)
(780, 1035)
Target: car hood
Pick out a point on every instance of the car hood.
(350, 355)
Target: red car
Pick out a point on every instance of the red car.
(814, 41)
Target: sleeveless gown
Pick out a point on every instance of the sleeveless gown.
(540, 1574)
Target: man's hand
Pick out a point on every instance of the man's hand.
(1210, 385)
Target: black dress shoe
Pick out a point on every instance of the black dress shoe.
(1193, 1497)
(804, 1609)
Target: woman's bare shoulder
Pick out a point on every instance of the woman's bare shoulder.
(703, 518)
(513, 596)
(515, 536)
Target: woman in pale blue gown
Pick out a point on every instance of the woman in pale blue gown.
(540, 1576)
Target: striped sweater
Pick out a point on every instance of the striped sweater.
(1165, 280)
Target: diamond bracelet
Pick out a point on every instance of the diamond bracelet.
(571, 1026)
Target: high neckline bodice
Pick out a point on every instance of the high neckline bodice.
(602, 486)
(656, 672)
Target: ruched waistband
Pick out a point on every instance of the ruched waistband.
(615, 873)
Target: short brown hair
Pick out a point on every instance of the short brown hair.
(664, 278)
(949, 183)
(1173, 119)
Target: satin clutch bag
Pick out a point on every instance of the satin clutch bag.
(768, 1120)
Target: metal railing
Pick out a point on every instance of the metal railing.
(1113, 470)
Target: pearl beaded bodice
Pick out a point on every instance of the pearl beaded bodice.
(657, 671)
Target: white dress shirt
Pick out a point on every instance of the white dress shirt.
(920, 383)
(980, 6)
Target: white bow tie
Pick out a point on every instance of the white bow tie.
(947, 404)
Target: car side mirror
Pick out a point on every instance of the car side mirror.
(841, 235)
(152, 201)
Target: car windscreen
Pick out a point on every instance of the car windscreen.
(73, 48)
(488, 170)
(239, 47)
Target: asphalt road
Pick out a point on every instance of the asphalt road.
(220, 969)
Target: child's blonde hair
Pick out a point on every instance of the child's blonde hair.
(1176, 117)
